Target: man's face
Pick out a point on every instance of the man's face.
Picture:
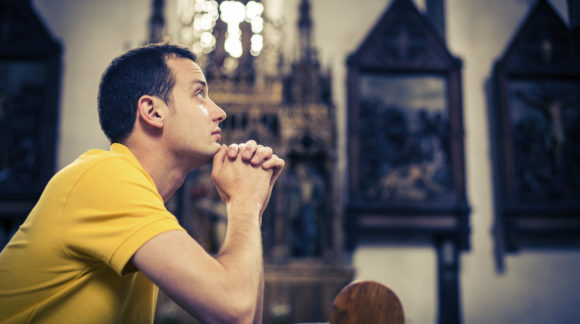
(191, 126)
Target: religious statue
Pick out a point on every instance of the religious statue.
(307, 200)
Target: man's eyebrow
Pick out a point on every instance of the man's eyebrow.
(203, 83)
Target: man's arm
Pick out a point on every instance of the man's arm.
(225, 288)
(258, 314)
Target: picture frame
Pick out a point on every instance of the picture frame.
(406, 169)
(534, 130)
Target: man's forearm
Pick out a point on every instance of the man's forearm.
(245, 188)
(260, 302)
(241, 253)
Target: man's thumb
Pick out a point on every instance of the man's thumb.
(219, 157)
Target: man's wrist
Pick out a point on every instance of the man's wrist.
(244, 209)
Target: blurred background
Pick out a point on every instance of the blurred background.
(432, 145)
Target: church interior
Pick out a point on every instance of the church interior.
(432, 146)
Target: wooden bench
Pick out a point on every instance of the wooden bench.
(366, 302)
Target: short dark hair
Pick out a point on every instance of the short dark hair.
(138, 72)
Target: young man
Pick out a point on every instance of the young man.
(100, 241)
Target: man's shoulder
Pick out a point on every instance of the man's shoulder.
(102, 166)
(91, 159)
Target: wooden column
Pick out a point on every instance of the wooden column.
(449, 310)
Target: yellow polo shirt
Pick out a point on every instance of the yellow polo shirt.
(69, 261)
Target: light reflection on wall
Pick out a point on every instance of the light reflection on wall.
(198, 19)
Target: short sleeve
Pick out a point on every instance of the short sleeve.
(112, 210)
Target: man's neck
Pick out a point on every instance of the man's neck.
(167, 173)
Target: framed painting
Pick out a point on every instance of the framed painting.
(544, 121)
(537, 156)
(535, 136)
(406, 168)
(404, 151)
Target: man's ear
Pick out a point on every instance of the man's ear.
(150, 110)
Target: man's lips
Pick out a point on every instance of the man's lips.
(217, 132)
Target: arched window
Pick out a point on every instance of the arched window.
(223, 29)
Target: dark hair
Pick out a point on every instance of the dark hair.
(141, 71)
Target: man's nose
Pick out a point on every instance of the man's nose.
(219, 115)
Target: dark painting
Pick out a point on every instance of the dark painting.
(545, 127)
(404, 139)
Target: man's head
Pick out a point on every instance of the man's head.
(142, 71)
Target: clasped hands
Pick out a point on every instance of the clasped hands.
(246, 173)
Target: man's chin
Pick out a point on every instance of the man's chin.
(200, 159)
(211, 155)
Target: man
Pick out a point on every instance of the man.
(100, 240)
